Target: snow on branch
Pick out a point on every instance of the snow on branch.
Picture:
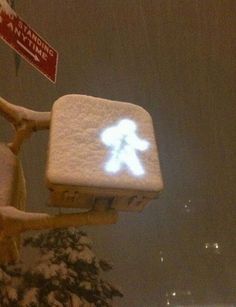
(66, 272)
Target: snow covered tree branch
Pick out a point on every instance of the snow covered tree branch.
(67, 273)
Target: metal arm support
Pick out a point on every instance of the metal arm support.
(14, 222)
(25, 122)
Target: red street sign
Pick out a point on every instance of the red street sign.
(25, 41)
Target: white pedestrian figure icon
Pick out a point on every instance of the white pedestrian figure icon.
(124, 142)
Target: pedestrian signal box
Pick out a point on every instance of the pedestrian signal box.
(101, 150)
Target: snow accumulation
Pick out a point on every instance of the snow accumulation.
(12, 212)
(84, 240)
(50, 270)
(49, 256)
(4, 278)
(52, 301)
(30, 298)
(76, 301)
(86, 285)
(11, 293)
(5, 7)
(86, 255)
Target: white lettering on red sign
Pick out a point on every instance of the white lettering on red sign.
(28, 43)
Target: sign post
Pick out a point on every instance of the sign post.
(25, 41)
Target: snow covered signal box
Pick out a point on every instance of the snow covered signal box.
(101, 150)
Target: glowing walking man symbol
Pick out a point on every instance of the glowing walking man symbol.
(124, 143)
